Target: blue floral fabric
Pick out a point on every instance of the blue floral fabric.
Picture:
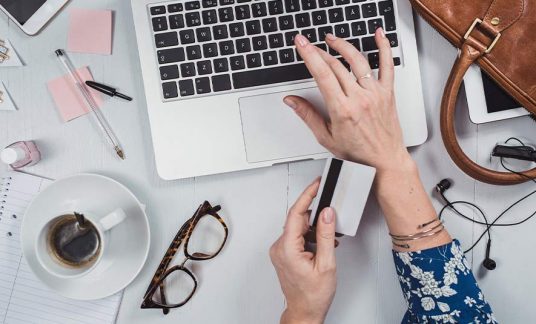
(439, 287)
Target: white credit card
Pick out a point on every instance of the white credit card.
(345, 187)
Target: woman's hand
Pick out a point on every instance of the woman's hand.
(363, 124)
(308, 280)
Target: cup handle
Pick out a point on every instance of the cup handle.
(113, 219)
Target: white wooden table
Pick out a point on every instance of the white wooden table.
(240, 286)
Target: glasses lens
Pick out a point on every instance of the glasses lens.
(207, 238)
(178, 286)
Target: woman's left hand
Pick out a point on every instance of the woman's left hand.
(308, 280)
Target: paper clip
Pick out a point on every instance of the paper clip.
(1, 98)
(3, 51)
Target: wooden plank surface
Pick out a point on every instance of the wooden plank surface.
(240, 286)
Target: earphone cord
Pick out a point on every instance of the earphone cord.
(494, 223)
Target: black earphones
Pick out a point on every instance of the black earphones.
(488, 262)
(441, 188)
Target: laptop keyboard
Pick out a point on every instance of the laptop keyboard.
(212, 47)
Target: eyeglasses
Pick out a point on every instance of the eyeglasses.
(205, 233)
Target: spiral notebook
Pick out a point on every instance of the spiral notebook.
(23, 298)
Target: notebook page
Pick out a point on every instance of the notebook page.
(23, 298)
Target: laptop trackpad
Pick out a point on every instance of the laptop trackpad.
(272, 131)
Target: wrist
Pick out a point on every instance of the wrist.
(397, 165)
(291, 317)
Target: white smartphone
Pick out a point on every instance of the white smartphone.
(31, 15)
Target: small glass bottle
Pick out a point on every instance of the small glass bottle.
(21, 154)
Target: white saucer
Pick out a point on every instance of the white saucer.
(128, 243)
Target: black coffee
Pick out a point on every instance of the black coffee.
(74, 244)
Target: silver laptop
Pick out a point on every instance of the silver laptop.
(215, 73)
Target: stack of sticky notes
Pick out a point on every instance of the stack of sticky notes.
(90, 31)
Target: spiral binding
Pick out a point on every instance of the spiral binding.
(5, 183)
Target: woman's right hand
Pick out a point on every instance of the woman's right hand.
(363, 124)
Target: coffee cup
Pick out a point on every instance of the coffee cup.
(72, 244)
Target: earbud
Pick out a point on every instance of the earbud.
(488, 262)
(443, 186)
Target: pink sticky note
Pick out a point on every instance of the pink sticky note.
(90, 31)
(67, 97)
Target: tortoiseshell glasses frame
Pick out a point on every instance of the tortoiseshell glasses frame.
(184, 235)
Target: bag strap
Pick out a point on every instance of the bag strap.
(470, 52)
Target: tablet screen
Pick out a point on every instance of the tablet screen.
(22, 10)
(496, 98)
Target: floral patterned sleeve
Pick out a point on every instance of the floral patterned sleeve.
(439, 287)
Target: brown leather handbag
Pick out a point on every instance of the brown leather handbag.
(498, 35)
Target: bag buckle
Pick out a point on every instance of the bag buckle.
(478, 21)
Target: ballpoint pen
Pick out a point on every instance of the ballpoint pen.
(90, 102)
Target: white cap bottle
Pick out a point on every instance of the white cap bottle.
(20, 154)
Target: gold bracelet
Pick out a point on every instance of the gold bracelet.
(416, 235)
(407, 246)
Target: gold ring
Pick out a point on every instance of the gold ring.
(366, 76)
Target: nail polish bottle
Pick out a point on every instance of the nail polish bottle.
(21, 154)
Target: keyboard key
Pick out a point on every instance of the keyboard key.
(369, 44)
(187, 70)
(369, 10)
(170, 90)
(221, 82)
(243, 45)
(209, 17)
(187, 36)
(221, 65)
(253, 27)
(169, 72)
(258, 9)
(253, 60)
(220, 32)
(352, 12)
(204, 67)
(344, 63)
(298, 56)
(397, 61)
(166, 39)
(210, 50)
(176, 21)
(308, 4)
(359, 28)
(275, 40)
(310, 34)
(270, 76)
(236, 29)
(335, 15)
(170, 55)
(160, 24)
(322, 46)
(175, 7)
(242, 12)
(226, 2)
(203, 34)
(226, 47)
(269, 58)
(186, 88)
(355, 43)
(237, 63)
(292, 5)
(342, 30)
(226, 14)
(259, 43)
(289, 37)
(303, 20)
(269, 25)
(388, 12)
(393, 39)
(275, 7)
(192, 5)
(158, 10)
(286, 22)
(323, 31)
(374, 60)
(192, 19)
(341, 2)
(210, 3)
(325, 3)
(319, 17)
(286, 55)
(374, 24)
(193, 52)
